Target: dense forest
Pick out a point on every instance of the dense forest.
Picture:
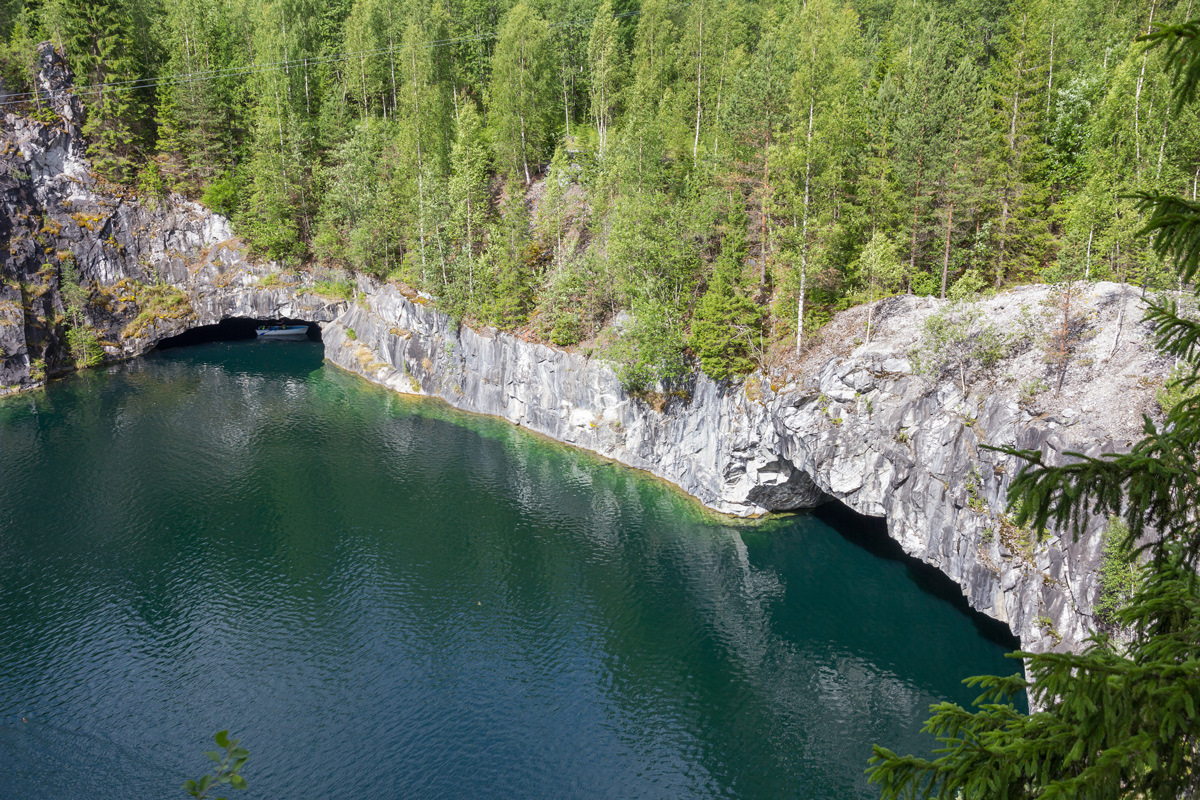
(727, 173)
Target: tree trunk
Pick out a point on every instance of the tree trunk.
(699, 67)
(1050, 79)
(1087, 268)
(946, 253)
(1003, 240)
(1064, 336)
(1137, 97)
(566, 104)
(524, 149)
(804, 227)
(392, 59)
(420, 165)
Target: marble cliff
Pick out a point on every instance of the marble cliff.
(857, 422)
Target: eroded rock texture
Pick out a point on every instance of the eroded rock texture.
(863, 429)
(151, 270)
(859, 425)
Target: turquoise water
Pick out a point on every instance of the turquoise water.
(387, 599)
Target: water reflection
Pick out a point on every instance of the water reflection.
(421, 604)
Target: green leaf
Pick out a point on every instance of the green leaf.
(237, 781)
(222, 738)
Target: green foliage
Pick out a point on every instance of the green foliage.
(727, 326)
(515, 261)
(1113, 725)
(97, 39)
(567, 330)
(1176, 388)
(151, 185)
(84, 345)
(520, 91)
(224, 193)
(649, 350)
(957, 341)
(155, 303)
(334, 289)
(863, 147)
(227, 769)
(969, 284)
(1120, 573)
(880, 272)
(82, 340)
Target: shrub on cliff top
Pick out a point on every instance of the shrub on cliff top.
(956, 342)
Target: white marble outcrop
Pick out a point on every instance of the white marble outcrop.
(859, 426)
(863, 430)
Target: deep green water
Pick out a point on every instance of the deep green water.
(387, 599)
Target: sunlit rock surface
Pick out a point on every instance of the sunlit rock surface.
(857, 425)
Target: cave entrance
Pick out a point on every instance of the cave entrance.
(870, 533)
(232, 330)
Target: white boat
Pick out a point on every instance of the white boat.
(282, 332)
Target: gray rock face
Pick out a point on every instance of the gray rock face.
(150, 271)
(860, 427)
(864, 429)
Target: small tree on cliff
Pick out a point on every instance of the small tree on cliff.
(82, 340)
(1115, 724)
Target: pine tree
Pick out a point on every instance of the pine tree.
(201, 125)
(469, 163)
(954, 187)
(825, 121)
(96, 39)
(604, 60)
(727, 325)
(421, 151)
(1018, 79)
(759, 105)
(510, 254)
(922, 118)
(880, 273)
(520, 92)
(278, 217)
(639, 165)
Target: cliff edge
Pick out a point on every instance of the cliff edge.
(894, 425)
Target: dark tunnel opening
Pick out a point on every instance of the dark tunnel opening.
(870, 533)
(236, 329)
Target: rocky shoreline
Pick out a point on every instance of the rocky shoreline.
(861, 426)
(863, 429)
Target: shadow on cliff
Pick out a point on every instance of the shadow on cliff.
(870, 533)
(232, 330)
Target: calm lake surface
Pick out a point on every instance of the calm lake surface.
(387, 599)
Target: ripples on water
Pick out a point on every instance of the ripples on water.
(384, 599)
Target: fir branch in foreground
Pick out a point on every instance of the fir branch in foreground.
(1114, 725)
(1181, 44)
(1173, 226)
